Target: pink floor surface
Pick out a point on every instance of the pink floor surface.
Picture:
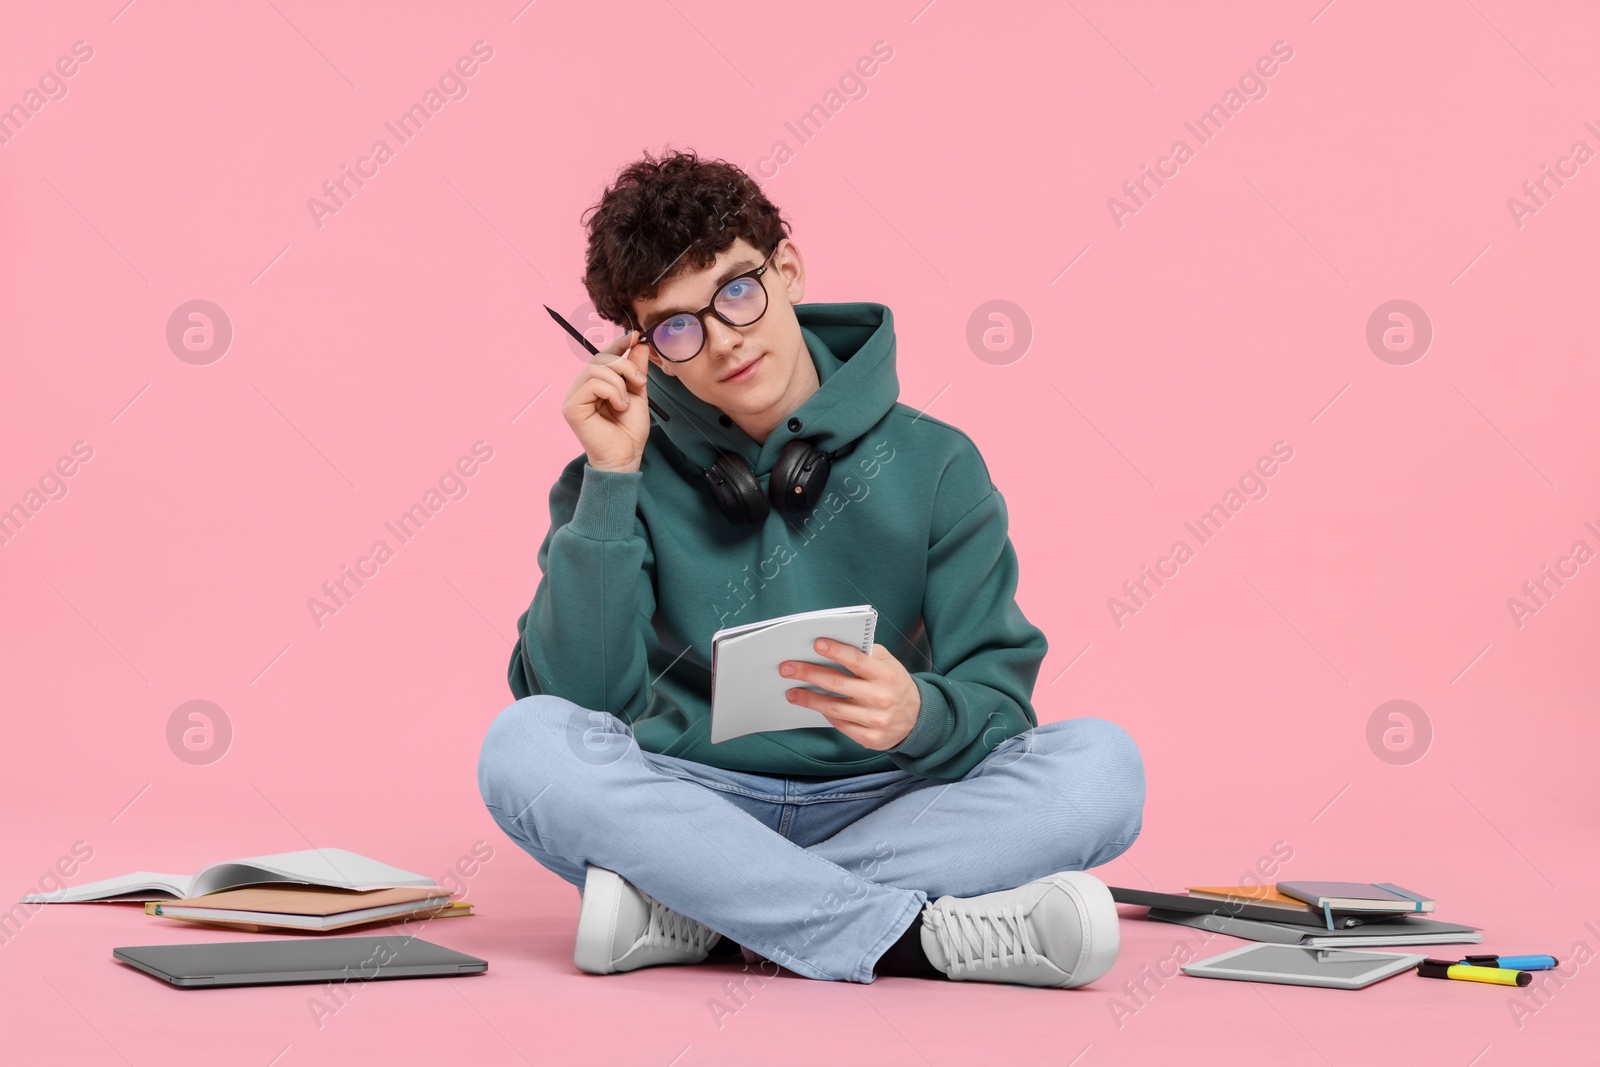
(66, 1001)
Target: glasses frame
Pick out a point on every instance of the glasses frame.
(711, 308)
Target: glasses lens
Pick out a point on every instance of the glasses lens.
(742, 300)
(678, 338)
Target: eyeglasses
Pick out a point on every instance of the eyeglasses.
(739, 302)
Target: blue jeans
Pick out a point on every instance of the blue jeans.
(818, 875)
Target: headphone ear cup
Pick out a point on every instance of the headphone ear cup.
(799, 476)
(734, 488)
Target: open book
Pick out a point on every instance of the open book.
(333, 867)
(748, 695)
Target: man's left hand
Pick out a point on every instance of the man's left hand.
(878, 699)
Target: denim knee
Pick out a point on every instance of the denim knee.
(1122, 777)
(1102, 778)
(527, 743)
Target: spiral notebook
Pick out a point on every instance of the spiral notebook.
(748, 695)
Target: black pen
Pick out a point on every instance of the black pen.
(593, 351)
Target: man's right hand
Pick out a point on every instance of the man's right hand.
(607, 406)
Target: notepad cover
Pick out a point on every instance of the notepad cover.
(748, 695)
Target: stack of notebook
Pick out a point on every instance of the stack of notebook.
(308, 909)
(313, 891)
(1314, 914)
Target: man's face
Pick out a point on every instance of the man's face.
(746, 370)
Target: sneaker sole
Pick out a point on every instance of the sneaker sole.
(1100, 925)
(593, 950)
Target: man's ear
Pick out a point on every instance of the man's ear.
(792, 269)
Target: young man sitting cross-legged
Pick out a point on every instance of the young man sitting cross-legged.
(934, 828)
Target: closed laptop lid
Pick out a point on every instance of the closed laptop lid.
(300, 959)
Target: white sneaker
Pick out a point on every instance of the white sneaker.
(1060, 931)
(621, 928)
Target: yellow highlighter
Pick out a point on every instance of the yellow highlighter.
(1468, 973)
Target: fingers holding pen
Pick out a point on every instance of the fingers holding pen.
(626, 358)
(607, 407)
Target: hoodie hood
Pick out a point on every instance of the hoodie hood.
(853, 347)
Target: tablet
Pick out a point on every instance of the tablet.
(1335, 968)
(298, 959)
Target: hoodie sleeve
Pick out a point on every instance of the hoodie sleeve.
(985, 653)
(587, 635)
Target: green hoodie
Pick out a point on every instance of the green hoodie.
(640, 569)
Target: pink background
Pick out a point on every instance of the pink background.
(1229, 312)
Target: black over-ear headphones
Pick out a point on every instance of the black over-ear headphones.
(795, 484)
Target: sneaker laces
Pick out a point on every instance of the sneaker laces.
(983, 938)
(668, 929)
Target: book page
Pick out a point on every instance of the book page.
(335, 867)
(762, 624)
(319, 866)
(140, 885)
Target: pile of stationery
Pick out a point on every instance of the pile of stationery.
(1313, 931)
(1310, 914)
(315, 891)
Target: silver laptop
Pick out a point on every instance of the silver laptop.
(300, 959)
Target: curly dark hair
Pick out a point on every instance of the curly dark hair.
(673, 213)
